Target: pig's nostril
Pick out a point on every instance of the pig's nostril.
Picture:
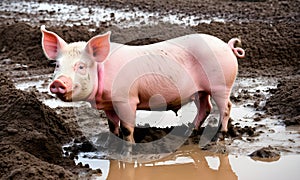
(62, 87)
(53, 88)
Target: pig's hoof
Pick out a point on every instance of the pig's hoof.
(126, 152)
(223, 135)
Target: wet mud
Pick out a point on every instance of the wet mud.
(32, 134)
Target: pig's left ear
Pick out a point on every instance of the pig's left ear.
(98, 47)
(51, 43)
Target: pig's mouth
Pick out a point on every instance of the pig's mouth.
(67, 97)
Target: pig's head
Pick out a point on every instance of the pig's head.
(76, 75)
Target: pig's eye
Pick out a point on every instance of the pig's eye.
(80, 68)
(57, 66)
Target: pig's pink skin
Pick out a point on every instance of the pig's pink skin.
(96, 95)
(209, 62)
(168, 74)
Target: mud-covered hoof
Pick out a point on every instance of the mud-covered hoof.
(126, 152)
(223, 135)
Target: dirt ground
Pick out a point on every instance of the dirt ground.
(32, 134)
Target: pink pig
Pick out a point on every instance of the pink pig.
(121, 79)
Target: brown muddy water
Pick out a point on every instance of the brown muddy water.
(190, 162)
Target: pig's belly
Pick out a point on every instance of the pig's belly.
(162, 101)
(161, 93)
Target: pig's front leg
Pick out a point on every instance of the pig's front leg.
(127, 114)
(113, 122)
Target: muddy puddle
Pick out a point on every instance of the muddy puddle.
(229, 159)
(189, 162)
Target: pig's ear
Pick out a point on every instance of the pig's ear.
(98, 47)
(51, 43)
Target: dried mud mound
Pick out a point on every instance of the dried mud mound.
(266, 153)
(20, 44)
(285, 101)
(31, 136)
(18, 164)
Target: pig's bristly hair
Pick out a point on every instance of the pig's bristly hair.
(74, 49)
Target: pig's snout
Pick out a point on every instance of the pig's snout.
(61, 85)
(58, 87)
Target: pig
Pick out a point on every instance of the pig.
(121, 79)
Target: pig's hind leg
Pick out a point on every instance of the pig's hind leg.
(224, 105)
(203, 104)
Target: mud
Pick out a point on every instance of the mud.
(283, 102)
(266, 153)
(32, 134)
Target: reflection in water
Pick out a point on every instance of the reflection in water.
(187, 163)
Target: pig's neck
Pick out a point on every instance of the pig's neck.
(96, 95)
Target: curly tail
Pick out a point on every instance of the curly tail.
(239, 52)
